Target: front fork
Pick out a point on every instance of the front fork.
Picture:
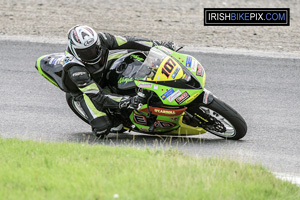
(194, 114)
(199, 117)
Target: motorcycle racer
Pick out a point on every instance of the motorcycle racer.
(87, 57)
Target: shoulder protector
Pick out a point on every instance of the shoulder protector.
(69, 61)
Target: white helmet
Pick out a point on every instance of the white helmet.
(84, 44)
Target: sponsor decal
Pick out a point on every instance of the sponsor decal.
(163, 124)
(125, 80)
(53, 61)
(61, 62)
(167, 94)
(174, 119)
(50, 61)
(188, 61)
(186, 77)
(200, 70)
(168, 112)
(194, 66)
(58, 61)
(67, 59)
(164, 111)
(182, 97)
(139, 119)
(137, 57)
(155, 87)
(145, 85)
(174, 95)
(168, 67)
(175, 72)
(89, 41)
(79, 73)
(192, 98)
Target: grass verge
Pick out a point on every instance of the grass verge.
(34, 170)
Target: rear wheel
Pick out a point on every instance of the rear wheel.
(221, 120)
(76, 107)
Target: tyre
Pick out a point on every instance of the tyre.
(76, 107)
(227, 123)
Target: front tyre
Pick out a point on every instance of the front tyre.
(223, 121)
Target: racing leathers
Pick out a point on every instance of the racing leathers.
(85, 81)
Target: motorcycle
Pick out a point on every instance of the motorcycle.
(176, 101)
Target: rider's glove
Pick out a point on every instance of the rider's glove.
(134, 103)
(169, 45)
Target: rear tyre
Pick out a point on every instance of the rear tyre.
(229, 124)
(76, 107)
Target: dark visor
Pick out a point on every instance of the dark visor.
(90, 53)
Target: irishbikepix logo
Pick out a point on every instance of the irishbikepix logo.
(246, 16)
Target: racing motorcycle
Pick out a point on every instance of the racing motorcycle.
(173, 83)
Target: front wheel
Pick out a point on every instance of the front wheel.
(221, 120)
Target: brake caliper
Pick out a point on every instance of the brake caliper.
(209, 122)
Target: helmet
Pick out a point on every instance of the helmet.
(84, 44)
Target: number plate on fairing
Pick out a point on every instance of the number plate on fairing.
(169, 69)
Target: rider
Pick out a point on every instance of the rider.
(84, 64)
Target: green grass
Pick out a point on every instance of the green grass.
(34, 170)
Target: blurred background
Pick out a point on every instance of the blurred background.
(174, 20)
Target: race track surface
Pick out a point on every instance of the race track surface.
(265, 91)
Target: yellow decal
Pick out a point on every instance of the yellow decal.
(192, 98)
(169, 69)
(170, 112)
(201, 117)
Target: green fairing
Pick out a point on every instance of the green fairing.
(161, 89)
(38, 62)
(181, 58)
(145, 128)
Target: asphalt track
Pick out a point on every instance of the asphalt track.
(264, 90)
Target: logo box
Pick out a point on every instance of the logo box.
(246, 16)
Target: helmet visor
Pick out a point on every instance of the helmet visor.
(89, 54)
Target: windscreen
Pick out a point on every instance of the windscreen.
(151, 64)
